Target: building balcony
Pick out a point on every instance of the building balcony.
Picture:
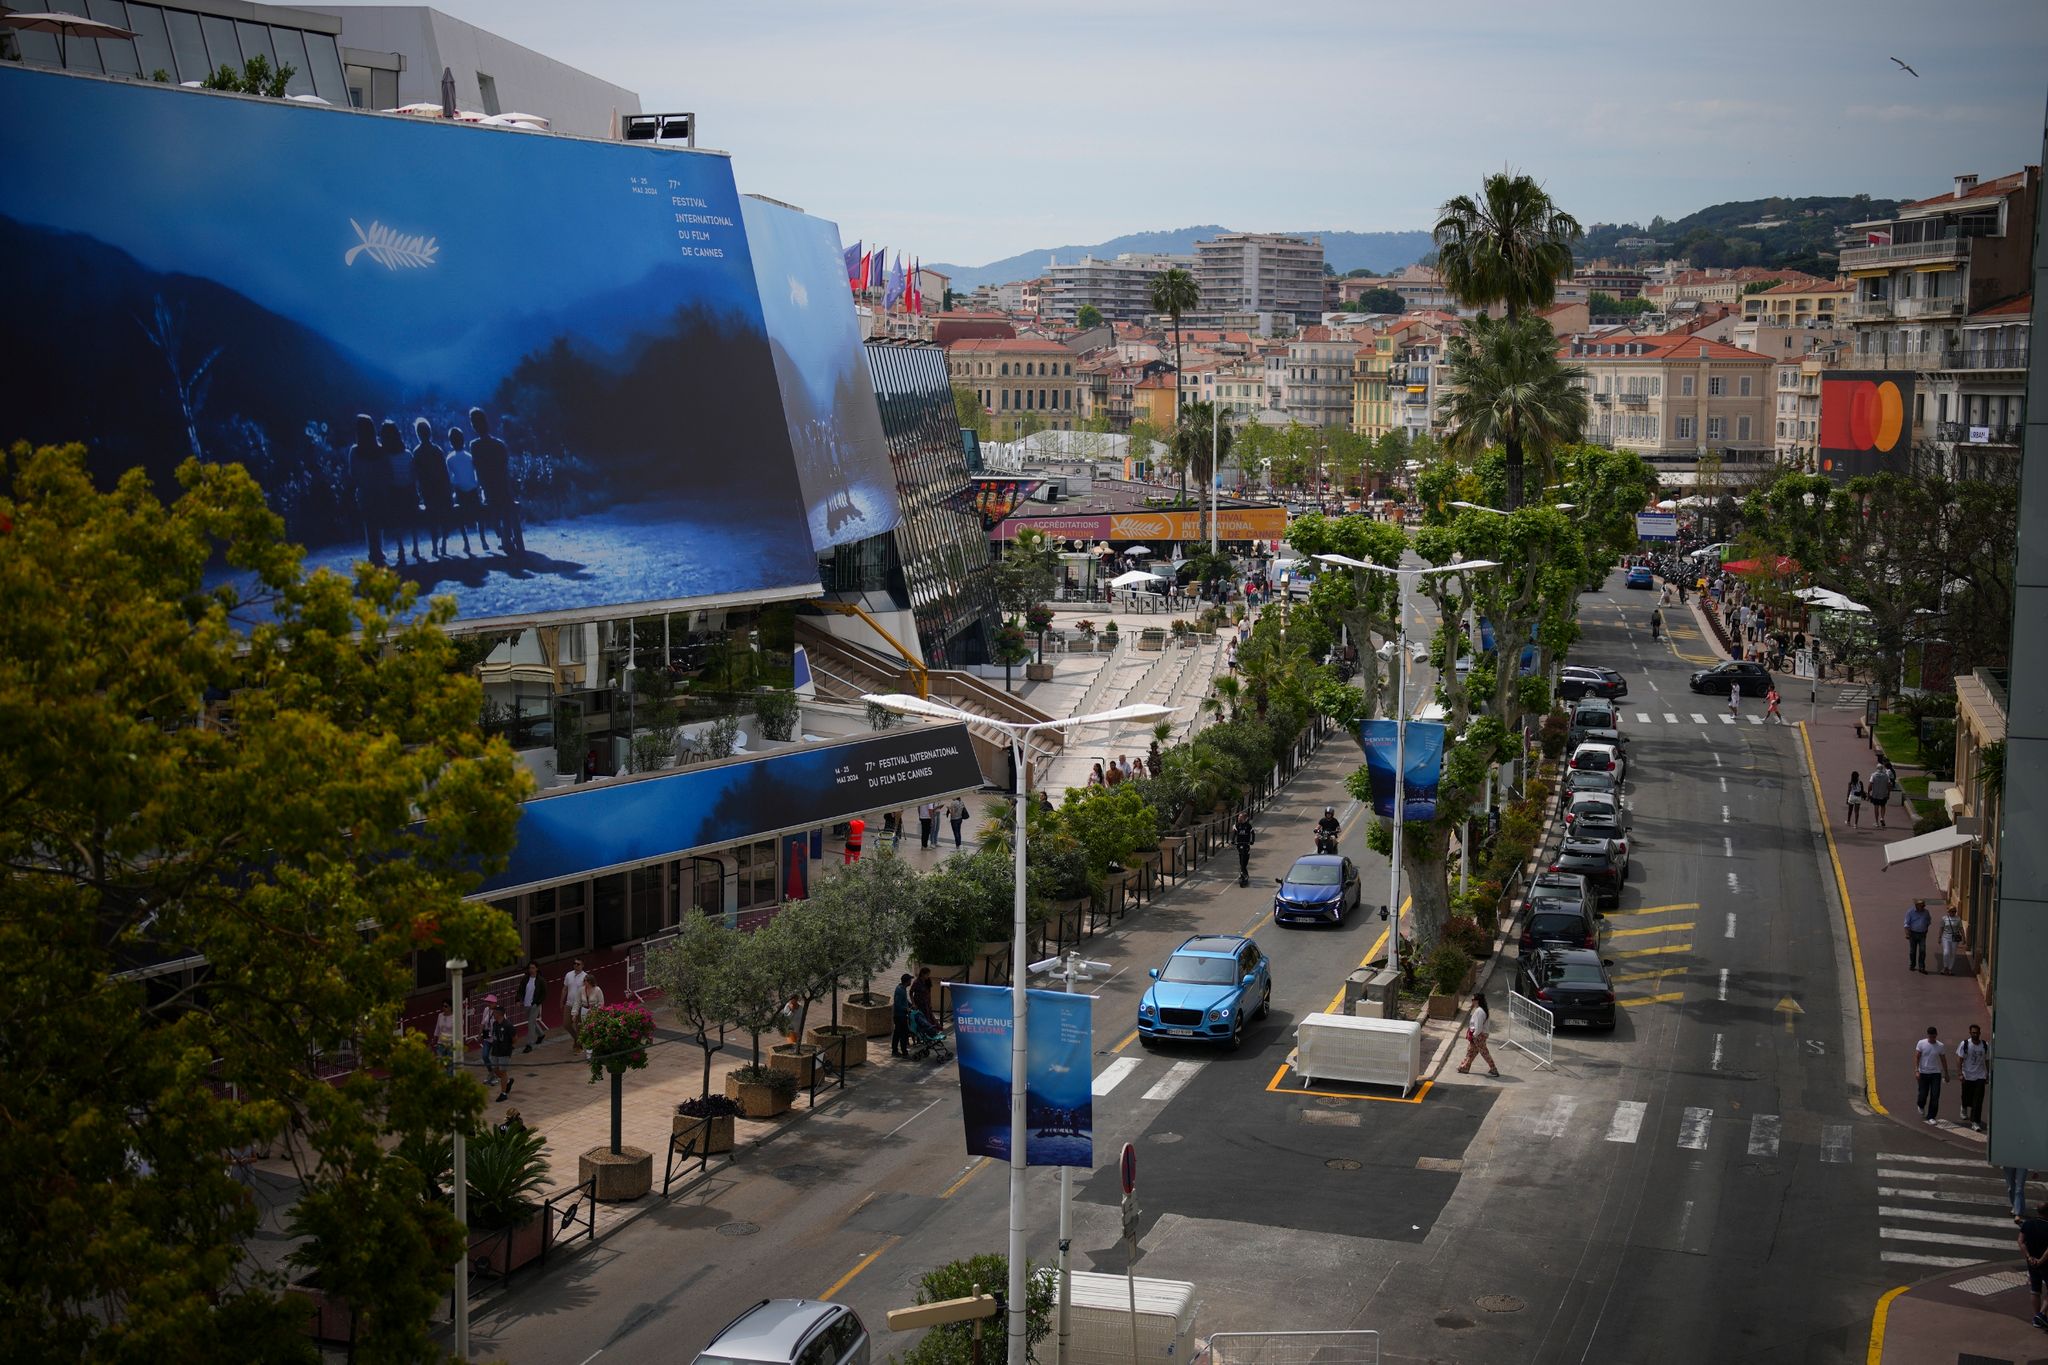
(1927, 308)
(1603, 398)
(1867, 310)
(1906, 253)
(1951, 358)
(1988, 358)
(1634, 400)
(1965, 433)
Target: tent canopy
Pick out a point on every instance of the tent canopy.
(1136, 578)
(1923, 846)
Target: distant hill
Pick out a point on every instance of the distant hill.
(1343, 251)
(1795, 234)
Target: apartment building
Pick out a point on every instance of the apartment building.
(1318, 387)
(1241, 386)
(1261, 272)
(1797, 416)
(1023, 381)
(1623, 282)
(1119, 289)
(1678, 399)
(1721, 285)
(1941, 290)
(1372, 368)
(1802, 302)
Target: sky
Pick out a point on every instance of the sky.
(964, 132)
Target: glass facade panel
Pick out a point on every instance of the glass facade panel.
(255, 40)
(152, 40)
(650, 900)
(221, 47)
(37, 49)
(324, 61)
(117, 55)
(187, 45)
(291, 52)
(608, 910)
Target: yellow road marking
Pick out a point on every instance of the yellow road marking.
(1655, 909)
(965, 1176)
(1652, 999)
(1875, 1354)
(1652, 952)
(1129, 1038)
(1274, 1087)
(1657, 975)
(1649, 929)
(1820, 802)
(862, 1264)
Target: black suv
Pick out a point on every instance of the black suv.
(1584, 680)
(1560, 915)
(1752, 677)
(1599, 862)
(1572, 983)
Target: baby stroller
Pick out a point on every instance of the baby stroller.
(928, 1040)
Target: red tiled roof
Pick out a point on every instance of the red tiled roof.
(2003, 185)
(992, 345)
(1806, 284)
(2019, 307)
(1672, 346)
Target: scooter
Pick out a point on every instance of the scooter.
(1326, 842)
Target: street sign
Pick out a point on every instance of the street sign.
(1131, 1219)
(1127, 1167)
(1656, 526)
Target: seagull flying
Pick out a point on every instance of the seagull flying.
(1907, 69)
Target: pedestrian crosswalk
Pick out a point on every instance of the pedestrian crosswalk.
(1942, 1211)
(1694, 718)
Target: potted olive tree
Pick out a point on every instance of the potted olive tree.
(693, 970)
(948, 922)
(879, 891)
(761, 987)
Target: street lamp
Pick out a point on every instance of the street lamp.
(1401, 719)
(1073, 967)
(905, 704)
(460, 1161)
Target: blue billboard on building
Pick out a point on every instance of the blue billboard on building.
(531, 372)
(835, 431)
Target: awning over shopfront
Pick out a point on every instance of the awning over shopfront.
(604, 827)
(1924, 845)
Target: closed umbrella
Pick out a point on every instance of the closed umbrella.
(64, 25)
(447, 92)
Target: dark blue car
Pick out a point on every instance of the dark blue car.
(1318, 889)
(1208, 990)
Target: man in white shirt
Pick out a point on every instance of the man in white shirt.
(1973, 1063)
(1930, 1069)
(572, 996)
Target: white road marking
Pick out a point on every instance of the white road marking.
(1724, 814)
(1893, 1173)
(1734, 884)
(1836, 1145)
(1627, 1123)
(1717, 757)
(1112, 1076)
(1731, 925)
(1727, 847)
(1763, 1135)
(1979, 1201)
(1724, 984)
(1909, 1258)
(1698, 719)
(1684, 1221)
(1727, 719)
(1948, 1238)
(1654, 687)
(1724, 787)
(1670, 718)
(1973, 1163)
(1716, 1063)
(1753, 720)
(1643, 716)
(1558, 1116)
(914, 1117)
(1174, 1081)
(1694, 1129)
(1974, 1220)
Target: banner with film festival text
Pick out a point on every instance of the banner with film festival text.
(1059, 1109)
(1425, 763)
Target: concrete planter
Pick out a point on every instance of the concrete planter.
(874, 1017)
(797, 1059)
(827, 1040)
(713, 1135)
(757, 1099)
(1441, 1006)
(1038, 672)
(621, 1176)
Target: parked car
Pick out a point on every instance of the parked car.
(1639, 576)
(1596, 720)
(1601, 810)
(1599, 757)
(1588, 680)
(1572, 983)
(790, 1332)
(1319, 887)
(1578, 780)
(1560, 889)
(1752, 677)
(1602, 862)
(1206, 989)
(1565, 923)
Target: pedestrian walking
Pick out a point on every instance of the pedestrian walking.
(1734, 700)
(899, 1018)
(921, 994)
(2033, 1240)
(896, 833)
(1771, 706)
(1951, 939)
(487, 1042)
(956, 816)
(1930, 1069)
(1656, 623)
(1855, 796)
(533, 991)
(926, 817)
(2016, 1190)
(1918, 921)
(1880, 792)
(589, 1000)
(1477, 1025)
(1973, 1065)
(855, 831)
(572, 1000)
(500, 1045)
(1096, 778)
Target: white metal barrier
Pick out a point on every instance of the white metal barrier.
(1532, 1028)
(1293, 1348)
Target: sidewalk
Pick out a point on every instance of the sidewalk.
(1985, 1310)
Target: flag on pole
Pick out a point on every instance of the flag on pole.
(853, 266)
(914, 298)
(895, 290)
(877, 260)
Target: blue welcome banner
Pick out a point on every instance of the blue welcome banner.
(1425, 763)
(1059, 1109)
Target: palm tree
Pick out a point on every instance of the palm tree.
(1509, 247)
(1175, 292)
(1507, 388)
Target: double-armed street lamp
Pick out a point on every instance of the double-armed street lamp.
(905, 704)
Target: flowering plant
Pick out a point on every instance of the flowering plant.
(616, 1038)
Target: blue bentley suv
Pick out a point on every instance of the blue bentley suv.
(1206, 990)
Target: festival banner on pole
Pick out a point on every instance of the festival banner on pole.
(1424, 752)
(1058, 1110)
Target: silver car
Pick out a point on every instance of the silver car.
(790, 1332)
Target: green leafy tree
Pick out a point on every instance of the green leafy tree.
(254, 78)
(1088, 316)
(1173, 293)
(306, 838)
(1600, 304)
(1381, 300)
(693, 970)
(1010, 648)
(989, 1273)
(1507, 388)
(972, 415)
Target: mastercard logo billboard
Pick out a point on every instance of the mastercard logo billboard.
(1866, 423)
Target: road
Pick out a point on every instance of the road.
(1700, 1185)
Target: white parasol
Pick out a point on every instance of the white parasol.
(64, 26)
(1136, 578)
